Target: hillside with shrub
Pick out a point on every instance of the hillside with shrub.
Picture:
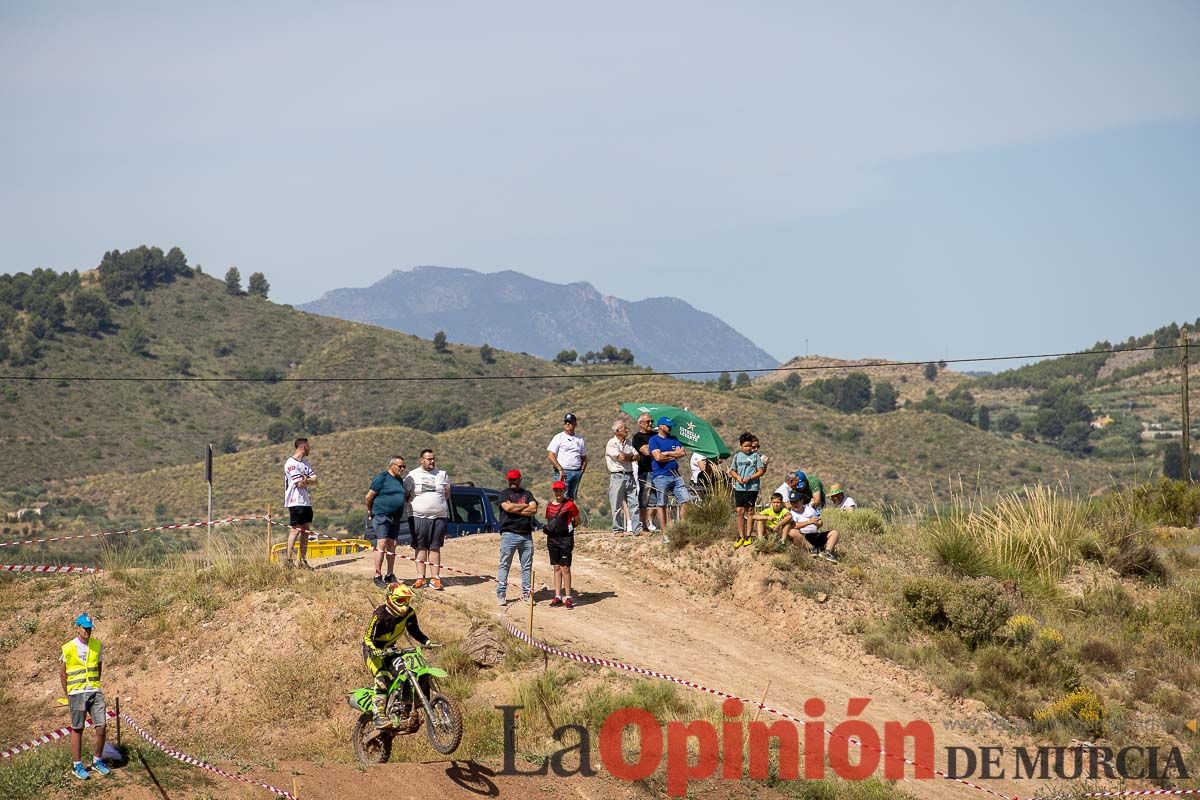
(897, 459)
(149, 315)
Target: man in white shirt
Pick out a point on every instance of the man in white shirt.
(568, 455)
(430, 513)
(838, 499)
(298, 478)
(807, 521)
(619, 457)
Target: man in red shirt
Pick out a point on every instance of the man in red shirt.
(561, 518)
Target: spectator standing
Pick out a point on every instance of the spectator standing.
(298, 478)
(517, 510)
(430, 513)
(664, 471)
(568, 454)
(79, 672)
(641, 443)
(745, 471)
(561, 518)
(620, 457)
(838, 499)
(388, 510)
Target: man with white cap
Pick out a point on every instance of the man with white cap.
(79, 673)
(568, 455)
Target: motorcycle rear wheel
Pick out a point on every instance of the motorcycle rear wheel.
(371, 746)
(445, 727)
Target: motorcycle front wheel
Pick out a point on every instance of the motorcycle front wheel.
(371, 745)
(445, 727)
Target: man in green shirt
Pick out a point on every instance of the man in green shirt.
(811, 489)
(387, 515)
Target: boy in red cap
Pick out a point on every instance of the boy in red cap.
(561, 517)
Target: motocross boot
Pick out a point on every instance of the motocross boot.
(379, 709)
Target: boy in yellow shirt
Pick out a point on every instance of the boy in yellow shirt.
(774, 518)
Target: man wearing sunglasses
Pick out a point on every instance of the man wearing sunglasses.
(387, 514)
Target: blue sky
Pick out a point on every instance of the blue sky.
(909, 181)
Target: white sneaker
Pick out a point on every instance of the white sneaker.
(652, 527)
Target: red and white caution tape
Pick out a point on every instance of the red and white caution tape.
(47, 738)
(49, 569)
(1136, 793)
(200, 524)
(605, 662)
(195, 762)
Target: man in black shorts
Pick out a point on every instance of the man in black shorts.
(298, 478)
(387, 515)
(430, 514)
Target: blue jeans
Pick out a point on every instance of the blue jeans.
(571, 478)
(666, 482)
(521, 544)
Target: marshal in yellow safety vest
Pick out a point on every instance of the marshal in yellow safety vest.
(82, 676)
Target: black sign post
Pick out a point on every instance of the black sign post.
(208, 479)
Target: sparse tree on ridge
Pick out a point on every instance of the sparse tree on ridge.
(233, 281)
(258, 285)
(486, 354)
(439, 342)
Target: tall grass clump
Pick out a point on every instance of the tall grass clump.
(1031, 535)
(709, 519)
(1169, 502)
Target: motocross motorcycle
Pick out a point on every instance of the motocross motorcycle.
(413, 698)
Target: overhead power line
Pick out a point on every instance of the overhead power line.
(625, 374)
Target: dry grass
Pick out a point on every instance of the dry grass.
(1031, 536)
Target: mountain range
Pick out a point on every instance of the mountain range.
(518, 313)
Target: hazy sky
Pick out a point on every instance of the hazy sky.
(910, 180)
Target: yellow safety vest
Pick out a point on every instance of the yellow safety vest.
(81, 676)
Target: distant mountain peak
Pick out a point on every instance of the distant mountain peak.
(515, 311)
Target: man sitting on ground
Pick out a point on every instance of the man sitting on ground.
(775, 518)
(807, 520)
(838, 499)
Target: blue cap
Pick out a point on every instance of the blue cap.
(665, 421)
(84, 620)
(801, 478)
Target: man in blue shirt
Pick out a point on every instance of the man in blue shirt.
(664, 471)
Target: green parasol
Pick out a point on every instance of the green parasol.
(692, 431)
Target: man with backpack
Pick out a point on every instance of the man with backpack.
(561, 517)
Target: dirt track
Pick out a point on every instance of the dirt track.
(637, 607)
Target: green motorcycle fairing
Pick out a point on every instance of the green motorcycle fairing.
(362, 699)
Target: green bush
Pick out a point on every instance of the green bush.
(866, 521)
(974, 610)
(1168, 502)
